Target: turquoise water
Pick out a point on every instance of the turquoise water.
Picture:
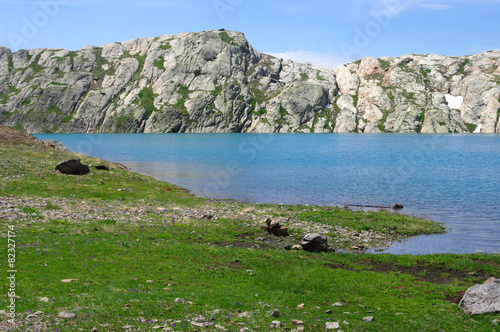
(453, 179)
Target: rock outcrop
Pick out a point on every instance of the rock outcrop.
(214, 81)
(482, 298)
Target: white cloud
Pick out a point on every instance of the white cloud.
(146, 3)
(399, 6)
(318, 59)
(436, 6)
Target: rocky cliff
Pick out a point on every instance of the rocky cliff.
(214, 81)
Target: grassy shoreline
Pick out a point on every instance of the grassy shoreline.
(131, 245)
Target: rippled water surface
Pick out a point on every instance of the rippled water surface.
(453, 179)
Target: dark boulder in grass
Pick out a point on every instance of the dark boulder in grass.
(72, 167)
(482, 298)
(315, 243)
(101, 167)
(274, 227)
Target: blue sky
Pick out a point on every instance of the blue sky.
(328, 33)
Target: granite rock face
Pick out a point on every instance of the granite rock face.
(482, 298)
(214, 81)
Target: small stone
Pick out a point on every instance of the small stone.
(297, 322)
(368, 319)
(494, 322)
(216, 311)
(179, 300)
(328, 312)
(64, 314)
(44, 299)
(128, 327)
(68, 280)
(300, 306)
(337, 304)
(332, 325)
(490, 280)
(94, 329)
(3, 312)
(197, 324)
(32, 316)
(276, 313)
(276, 324)
(243, 315)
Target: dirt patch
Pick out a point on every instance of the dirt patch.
(455, 298)
(487, 262)
(435, 273)
(236, 265)
(236, 244)
(15, 136)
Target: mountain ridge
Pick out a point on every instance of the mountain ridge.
(216, 82)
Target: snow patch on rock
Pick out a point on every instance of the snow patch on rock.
(454, 102)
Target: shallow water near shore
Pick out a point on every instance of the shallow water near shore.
(453, 179)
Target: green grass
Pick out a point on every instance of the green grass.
(68, 118)
(10, 62)
(53, 109)
(133, 244)
(5, 96)
(226, 38)
(146, 100)
(382, 221)
(165, 46)
(37, 68)
(160, 64)
(471, 127)
(384, 64)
